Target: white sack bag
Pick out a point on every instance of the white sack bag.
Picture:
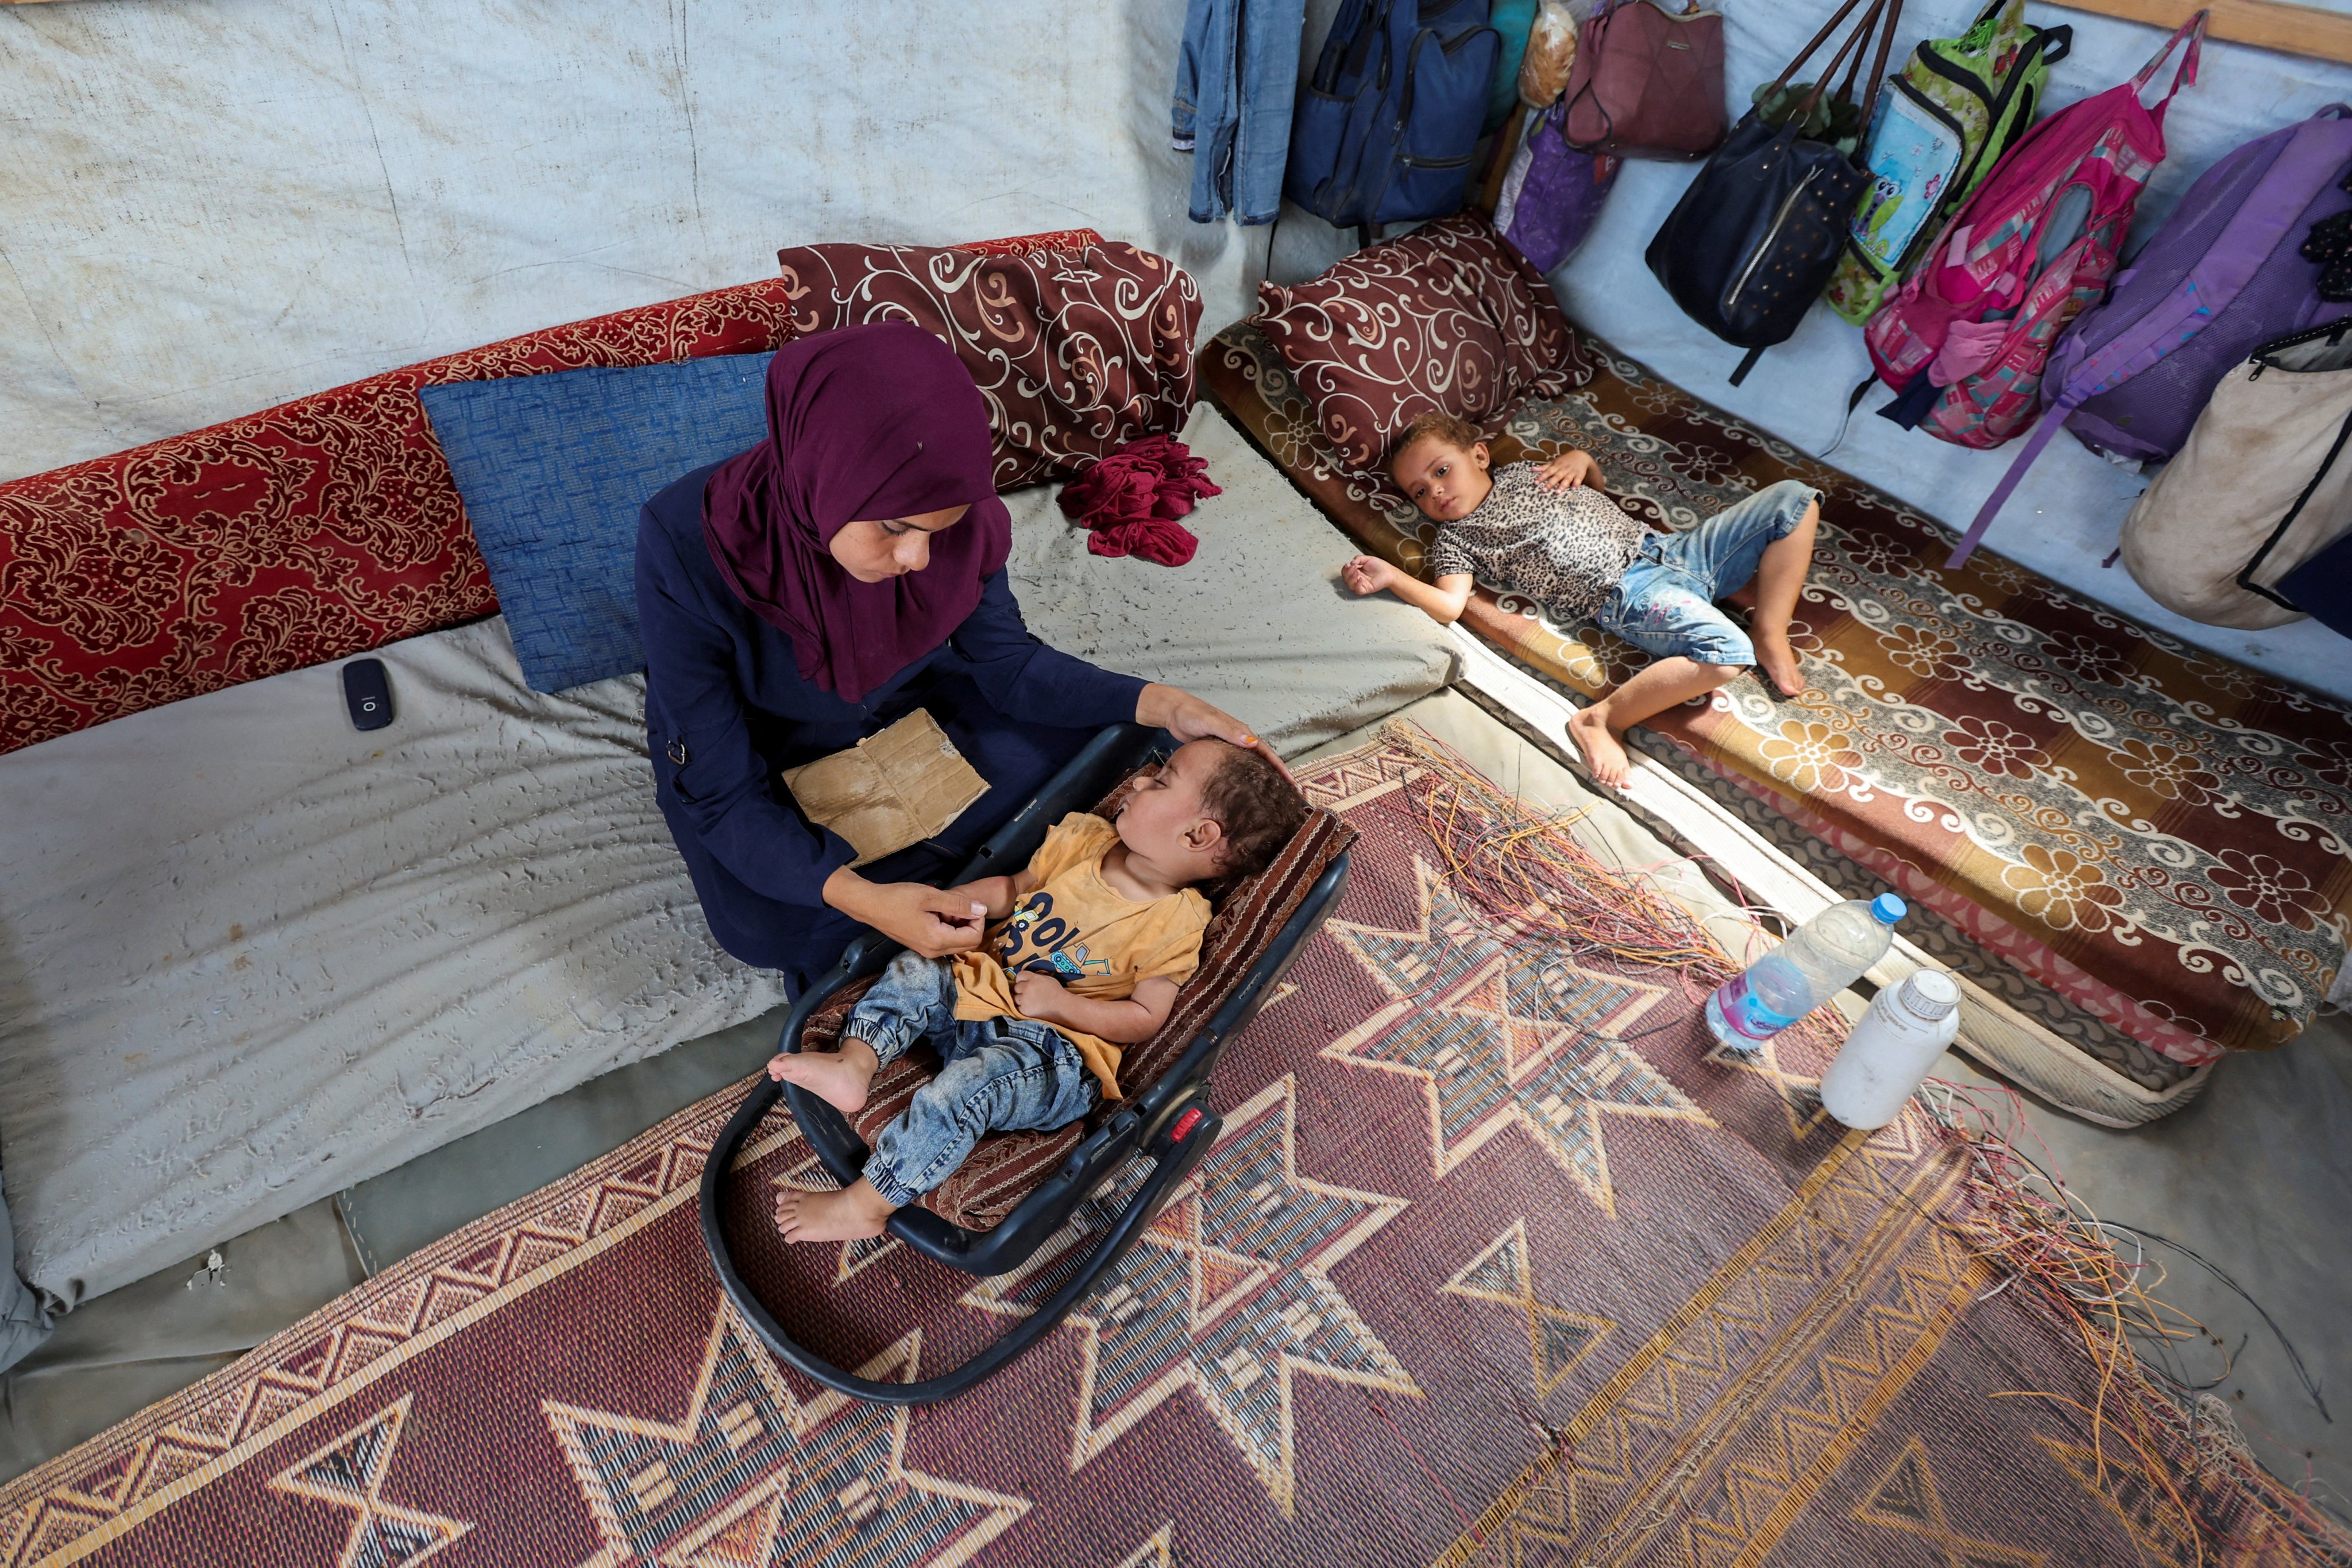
(2262, 484)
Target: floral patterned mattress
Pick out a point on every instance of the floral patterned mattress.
(2157, 835)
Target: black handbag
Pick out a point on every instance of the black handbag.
(1756, 235)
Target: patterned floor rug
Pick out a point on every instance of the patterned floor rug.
(1494, 1264)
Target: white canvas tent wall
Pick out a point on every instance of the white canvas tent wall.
(209, 208)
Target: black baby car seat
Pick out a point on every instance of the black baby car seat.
(1018, 1189)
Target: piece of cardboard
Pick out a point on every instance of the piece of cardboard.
(890, 790)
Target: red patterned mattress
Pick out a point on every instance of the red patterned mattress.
(331, 525)
(2155, 834)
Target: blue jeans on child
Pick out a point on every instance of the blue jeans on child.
(996, 1075)
(1665, 604)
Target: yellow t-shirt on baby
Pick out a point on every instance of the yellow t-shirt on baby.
(1100, 943)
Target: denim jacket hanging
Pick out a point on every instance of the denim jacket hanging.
(1236, 75)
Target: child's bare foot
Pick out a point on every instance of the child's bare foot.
(837, 1078)
(856, 1211)
(1780, 662)
(1603, 753)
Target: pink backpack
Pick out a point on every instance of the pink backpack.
(1966, 338)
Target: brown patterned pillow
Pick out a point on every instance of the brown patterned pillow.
(1448, 317)
(1077, 351)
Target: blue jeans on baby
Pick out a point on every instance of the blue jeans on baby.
(996, 1075)
(1665, 604)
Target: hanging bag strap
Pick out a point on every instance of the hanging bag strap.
(2009, 16)
(2012, 22)
(1853, 73)
(1802, 110)
(1599, 23)
(1858, 41)
(2185, 73)
(2045, 428)
(1820, 37)
(1877, 73)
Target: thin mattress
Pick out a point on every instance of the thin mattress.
(2155, 834)
(251, 956)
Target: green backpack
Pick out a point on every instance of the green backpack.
(1942, 124)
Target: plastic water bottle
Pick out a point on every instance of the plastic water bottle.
(1888, 1054)
(1820, 958)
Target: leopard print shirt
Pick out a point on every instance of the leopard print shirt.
(1565, 550)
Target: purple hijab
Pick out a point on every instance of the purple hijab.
(878, 421)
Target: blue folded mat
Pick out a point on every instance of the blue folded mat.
(553, 469)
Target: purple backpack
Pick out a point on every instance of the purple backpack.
(2222, 276)
(2220, 279)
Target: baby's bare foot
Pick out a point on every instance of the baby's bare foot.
(855, 1212)
(838, 1077)
(1603, 753)
(1780, 662)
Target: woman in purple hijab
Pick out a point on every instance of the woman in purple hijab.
(808, 593)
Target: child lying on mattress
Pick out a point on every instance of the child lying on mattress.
(1090, 946)
(1549, 534)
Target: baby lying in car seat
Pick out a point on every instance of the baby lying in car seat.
(1547, 532)
(1085, 954)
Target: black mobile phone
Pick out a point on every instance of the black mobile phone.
(367, 691)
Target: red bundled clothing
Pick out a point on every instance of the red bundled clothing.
(1133, 499)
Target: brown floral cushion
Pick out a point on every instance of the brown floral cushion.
(1448, 317)
(1078, 351)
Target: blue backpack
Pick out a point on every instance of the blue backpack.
(1384, 132)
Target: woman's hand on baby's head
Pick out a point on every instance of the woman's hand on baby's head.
(1367, 574)
(1188, 717)
(1569, 469)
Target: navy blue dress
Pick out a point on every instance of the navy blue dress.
(727, 711)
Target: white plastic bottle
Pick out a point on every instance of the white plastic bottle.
(1820, 958)
(1888, 1054)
